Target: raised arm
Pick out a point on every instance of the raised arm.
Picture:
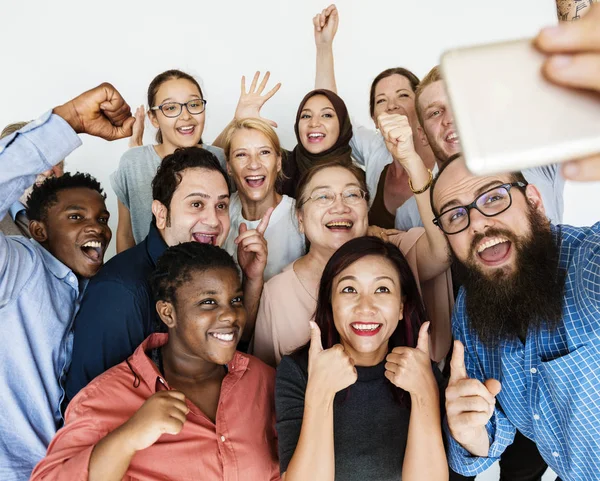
(432, 250)
(569, 10)
(325, 26)
(329, 371)
(250, 103)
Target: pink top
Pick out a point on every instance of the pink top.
(286, 307)
(241, 446)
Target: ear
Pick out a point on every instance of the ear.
(166, 312)
(422, 136)
(279, 164)
(534, 198)
(300, 222)
(401, 315)
(38, 231)
(153, 119)
(161, 214)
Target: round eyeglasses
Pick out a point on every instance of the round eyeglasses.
(173, 109)
(326, 197)
(492, 202)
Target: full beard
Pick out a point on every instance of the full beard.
(504, 306)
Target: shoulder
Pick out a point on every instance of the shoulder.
(130, 268)
(294, 366)
(135, 154)
(218, 152)
(282, 282)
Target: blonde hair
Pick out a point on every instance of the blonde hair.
(262, 127)
(433, 76)
(12, 128)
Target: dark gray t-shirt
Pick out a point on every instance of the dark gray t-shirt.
(132, 183)
(370, 427)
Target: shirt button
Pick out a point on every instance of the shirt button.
(71, 278)
(533, 370)
(222, 439)
(536, 417)
(555, 454)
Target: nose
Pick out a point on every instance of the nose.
(253, 163)
(339, 206)
(392, 105)
(227, 315)
(313, 121)
(210, 218)
(478, 222)
(448, 117)
(365, 305)
(185, 114)
(95, 226)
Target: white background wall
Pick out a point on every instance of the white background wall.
(52, 51)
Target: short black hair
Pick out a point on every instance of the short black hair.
(176, 264)
(168, 175)
(514, 176)
(45, 195)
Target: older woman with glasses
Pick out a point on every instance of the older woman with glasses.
(332, 208)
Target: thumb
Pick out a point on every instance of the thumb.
(316, 346)
(243, 228)
(493, 386)
(423, 341)
(458, 370)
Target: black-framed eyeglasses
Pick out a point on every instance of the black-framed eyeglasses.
(492, 202)
(326, 197)
(173, 109)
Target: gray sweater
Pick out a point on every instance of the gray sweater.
(370, 426)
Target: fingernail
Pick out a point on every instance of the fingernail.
(560, 61)
(555, 31)
(571, 169)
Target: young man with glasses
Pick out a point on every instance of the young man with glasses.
(527, 325)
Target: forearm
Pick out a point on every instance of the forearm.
(425, 457)
(325, 71)
(314, 457)
(432, 250)
(252, 292)
(220, 140)
(572, 9)
(111, 457)
(125, 238)
(478, 444)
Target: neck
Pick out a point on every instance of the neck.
(366, 359)
(184, 366)
(255, 210)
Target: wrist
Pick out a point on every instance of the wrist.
(325, 47)
(125, 439)
(317, 397)
(69, 114)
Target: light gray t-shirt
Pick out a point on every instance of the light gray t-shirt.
(547, 179)
(284, 240)
(132, 183)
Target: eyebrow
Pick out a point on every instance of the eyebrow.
(353, 278)
(324, 108)
(75, 207)
(353, 184)
(399, 90)
(205, 196)
(478, 192)
(192, 97)
(435, 103)
(259, 147)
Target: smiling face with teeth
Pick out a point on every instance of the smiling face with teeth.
(318, 125)
(327, 228)
(184, 130)
(254, 164)
(75, 230)
(489, 244)
(438, 129)
(207, 317)
(367, 306)
(199, 209)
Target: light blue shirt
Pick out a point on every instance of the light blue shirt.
(547, 179)
(39, 296)
(551, 384)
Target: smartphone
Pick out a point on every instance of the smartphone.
(509, 117)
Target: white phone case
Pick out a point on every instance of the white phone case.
(509, 117)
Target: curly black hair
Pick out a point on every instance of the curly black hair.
(168, 175)
(177, 263)
(44, 196)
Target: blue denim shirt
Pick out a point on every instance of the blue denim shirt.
(39, 296)
(550, 384)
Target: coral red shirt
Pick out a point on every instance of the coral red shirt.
(240, 446)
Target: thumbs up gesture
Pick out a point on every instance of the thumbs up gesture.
(329, 370)
(410, 368)
(469, 404)
(252, 249)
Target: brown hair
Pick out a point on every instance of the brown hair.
(407, 74)
(310, 173)
(160, 79)
(433, 76)
(12, 128)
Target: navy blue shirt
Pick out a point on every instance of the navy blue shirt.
(117, 312)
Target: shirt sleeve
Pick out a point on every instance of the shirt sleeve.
(500, 430)
(262, 343)
(589, 274)
(118, 180)
(35, 148)
(290, 389)
(109, 326)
